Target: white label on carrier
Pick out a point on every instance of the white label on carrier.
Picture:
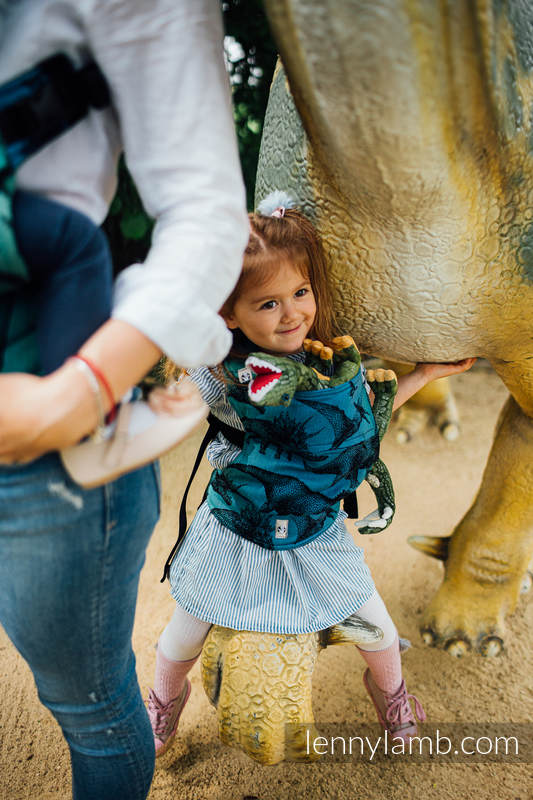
(245, 375)
(282, 528)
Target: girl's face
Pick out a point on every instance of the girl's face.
(278, 315)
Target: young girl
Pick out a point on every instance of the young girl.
(220, 577)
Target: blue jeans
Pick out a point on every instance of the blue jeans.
(69, 569)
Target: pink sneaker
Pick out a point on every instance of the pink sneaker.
(394, 709)
(164, 717)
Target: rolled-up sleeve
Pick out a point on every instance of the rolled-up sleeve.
(164, 64)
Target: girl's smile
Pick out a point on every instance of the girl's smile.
(278, 315)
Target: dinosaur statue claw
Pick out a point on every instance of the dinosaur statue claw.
(450, 431)
(491, 646)
(457, 647)
(527, 582)
(428, 637)
(434, 546)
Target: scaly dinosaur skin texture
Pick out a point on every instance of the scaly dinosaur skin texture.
(277, 378)
(413, 155)
(261, 687)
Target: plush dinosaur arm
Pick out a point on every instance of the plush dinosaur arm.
(379, 479)
(384, 385)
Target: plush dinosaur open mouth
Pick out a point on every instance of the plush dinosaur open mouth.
(265, 378)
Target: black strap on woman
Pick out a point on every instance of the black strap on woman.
(234, 436)
(45, 101)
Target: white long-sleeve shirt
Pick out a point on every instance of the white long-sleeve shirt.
(171, 114)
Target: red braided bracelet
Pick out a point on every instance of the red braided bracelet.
(105, 383)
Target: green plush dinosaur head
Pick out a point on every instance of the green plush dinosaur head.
(275, 379)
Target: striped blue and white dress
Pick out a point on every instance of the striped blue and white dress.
(222, 578)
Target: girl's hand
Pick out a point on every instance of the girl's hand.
(433, 371)
(412, 382)
(177, 399)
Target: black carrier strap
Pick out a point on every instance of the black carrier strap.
(350, 505)
(234, 436)
(42, 103)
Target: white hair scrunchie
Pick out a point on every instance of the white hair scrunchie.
(275, 204)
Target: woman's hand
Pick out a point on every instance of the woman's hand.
(41, 414)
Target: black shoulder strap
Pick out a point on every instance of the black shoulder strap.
(234, 436)
(45, 101)
(350, 505)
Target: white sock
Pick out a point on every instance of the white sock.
(184, 636)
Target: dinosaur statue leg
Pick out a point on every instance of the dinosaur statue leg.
(489, 552)
(261, 685)
(434, 404)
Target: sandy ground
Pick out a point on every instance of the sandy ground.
(435, 482)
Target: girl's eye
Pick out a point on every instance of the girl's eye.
(269, 304)
(301, 292)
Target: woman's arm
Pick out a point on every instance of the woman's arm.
(164, 64)
(50, 413)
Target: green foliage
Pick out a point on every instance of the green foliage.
(128, 226)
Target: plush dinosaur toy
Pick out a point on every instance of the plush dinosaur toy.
(274, 380)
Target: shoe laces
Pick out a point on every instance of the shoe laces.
(162, 713)
(399, 711)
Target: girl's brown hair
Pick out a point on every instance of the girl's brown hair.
(277, 240)
(274, 241)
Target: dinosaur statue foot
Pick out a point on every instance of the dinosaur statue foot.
(411, 420)
(470, 620)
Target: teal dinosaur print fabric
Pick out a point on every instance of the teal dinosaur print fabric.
(297, 463)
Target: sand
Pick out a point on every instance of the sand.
(435, 483)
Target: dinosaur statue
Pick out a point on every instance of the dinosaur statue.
(409, 143)
(261, 683)
(261, 686)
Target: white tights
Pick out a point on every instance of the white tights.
(184, 635)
